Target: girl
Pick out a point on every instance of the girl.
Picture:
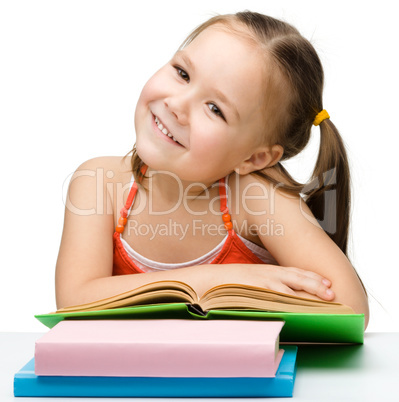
(210, 202)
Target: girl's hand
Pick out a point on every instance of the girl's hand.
(289, 280)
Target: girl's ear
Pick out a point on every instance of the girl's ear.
(264, 157)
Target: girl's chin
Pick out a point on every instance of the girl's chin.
(150, 157)
(144, 155)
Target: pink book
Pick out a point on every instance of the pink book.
(160, 348)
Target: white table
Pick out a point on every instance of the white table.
(368, 372)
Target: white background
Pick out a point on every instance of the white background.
(70, 76)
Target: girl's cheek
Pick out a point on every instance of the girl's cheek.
(153, 89)
(146, 92)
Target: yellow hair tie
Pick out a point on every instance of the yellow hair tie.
(320, 117)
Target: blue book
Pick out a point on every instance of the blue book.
(27, 384)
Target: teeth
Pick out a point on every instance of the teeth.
(164, 130)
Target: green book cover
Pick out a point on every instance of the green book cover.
(298, 328)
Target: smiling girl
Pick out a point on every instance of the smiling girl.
(205, 178)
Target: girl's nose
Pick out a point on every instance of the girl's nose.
(179, 107)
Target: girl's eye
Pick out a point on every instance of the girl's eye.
(216, 110)
(182, 74)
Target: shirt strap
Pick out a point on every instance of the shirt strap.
(120, 227)
(226, 217)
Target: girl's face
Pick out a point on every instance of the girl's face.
(200, 115)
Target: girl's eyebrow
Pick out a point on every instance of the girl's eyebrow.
(218, 93)
(186, 59)
(226, 101)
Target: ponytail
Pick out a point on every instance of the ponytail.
(328, 192)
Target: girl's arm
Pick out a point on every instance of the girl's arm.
(295, 239)
(85, 260)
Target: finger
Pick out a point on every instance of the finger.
(312, 275)
(310, 285)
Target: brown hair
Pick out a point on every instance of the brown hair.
(298, 75)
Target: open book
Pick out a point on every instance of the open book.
(230, 296)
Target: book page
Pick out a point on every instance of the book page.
(256, 298)
(151, 293)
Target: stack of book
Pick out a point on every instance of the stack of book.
(160, 358)
(162, 340)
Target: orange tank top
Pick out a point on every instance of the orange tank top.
(233, 250)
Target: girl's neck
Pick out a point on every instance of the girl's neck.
(172, 189)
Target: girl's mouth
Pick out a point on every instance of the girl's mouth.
(164, 130)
